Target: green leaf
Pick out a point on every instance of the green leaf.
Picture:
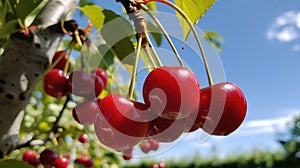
(118, 32)
(33, 14)
(24, 7)
(194, 9)
(95, 14)
(154, 31)
(9, 28)
(14, 164)
(152, 6)
(115, 30)
(214, 38)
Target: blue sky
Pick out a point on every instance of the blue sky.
(261, 54)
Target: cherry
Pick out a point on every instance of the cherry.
(164, 130)
(127, 154)
(222, 109)
(80, 83)
(101, 73)
(83, 138)
(80, 160)
(62, 62)
(55, 83)
(28, 155)
(31, 158)
(145, 147)
(48, 157)
(98, 86)
(171, 92)
(88, 163)
(154, 145)
(61, 163)
(120, 123)
(85, 112)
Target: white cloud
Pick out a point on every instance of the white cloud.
(285, 27)
(265, 126)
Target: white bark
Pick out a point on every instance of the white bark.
(22, 63)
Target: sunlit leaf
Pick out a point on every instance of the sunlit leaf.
(215, 39)
(194, 9)
(95, 14)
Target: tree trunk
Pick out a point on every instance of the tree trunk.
(24, 60)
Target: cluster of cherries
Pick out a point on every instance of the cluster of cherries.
(49, 158)
(57, 84)
(174, 104)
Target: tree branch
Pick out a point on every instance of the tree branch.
(23, 61)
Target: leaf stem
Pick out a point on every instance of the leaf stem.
(210, 80)
(133, 75)
(145, 8)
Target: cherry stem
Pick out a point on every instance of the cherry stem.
(133, 75)
(210, 80)
(150, 57)
(152, 49)
(160, 26)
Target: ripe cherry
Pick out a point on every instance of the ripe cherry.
(31, 158)
(80, 83)
(85, 112)
(101, 73)
(80, 160)
(48, 157)
(63, 56)
(171, 92)
(98, 86)
(127, 154)
(154, 145)
(89, 163)
(222, 109)
(55, 83)
(164, 130)
(61, 163)
(83, 138)
(120, 123)
(27, 155)
(145, 147)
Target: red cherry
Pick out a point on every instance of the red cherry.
(127, 154)
(27, 155)
(63, 56)
(55, 83)
(145, 147)
(34, 162)
(154, 145)
(164, 130)
(48, 157)
(171, 92)
(101, 73)
(80, 160)
(222, 109)
(85, 112)
(80, 83)
(61, 163)
(83, 138)
(120, 123)
(98, 86)
(88, 163)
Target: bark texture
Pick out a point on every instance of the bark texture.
(24, 60)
